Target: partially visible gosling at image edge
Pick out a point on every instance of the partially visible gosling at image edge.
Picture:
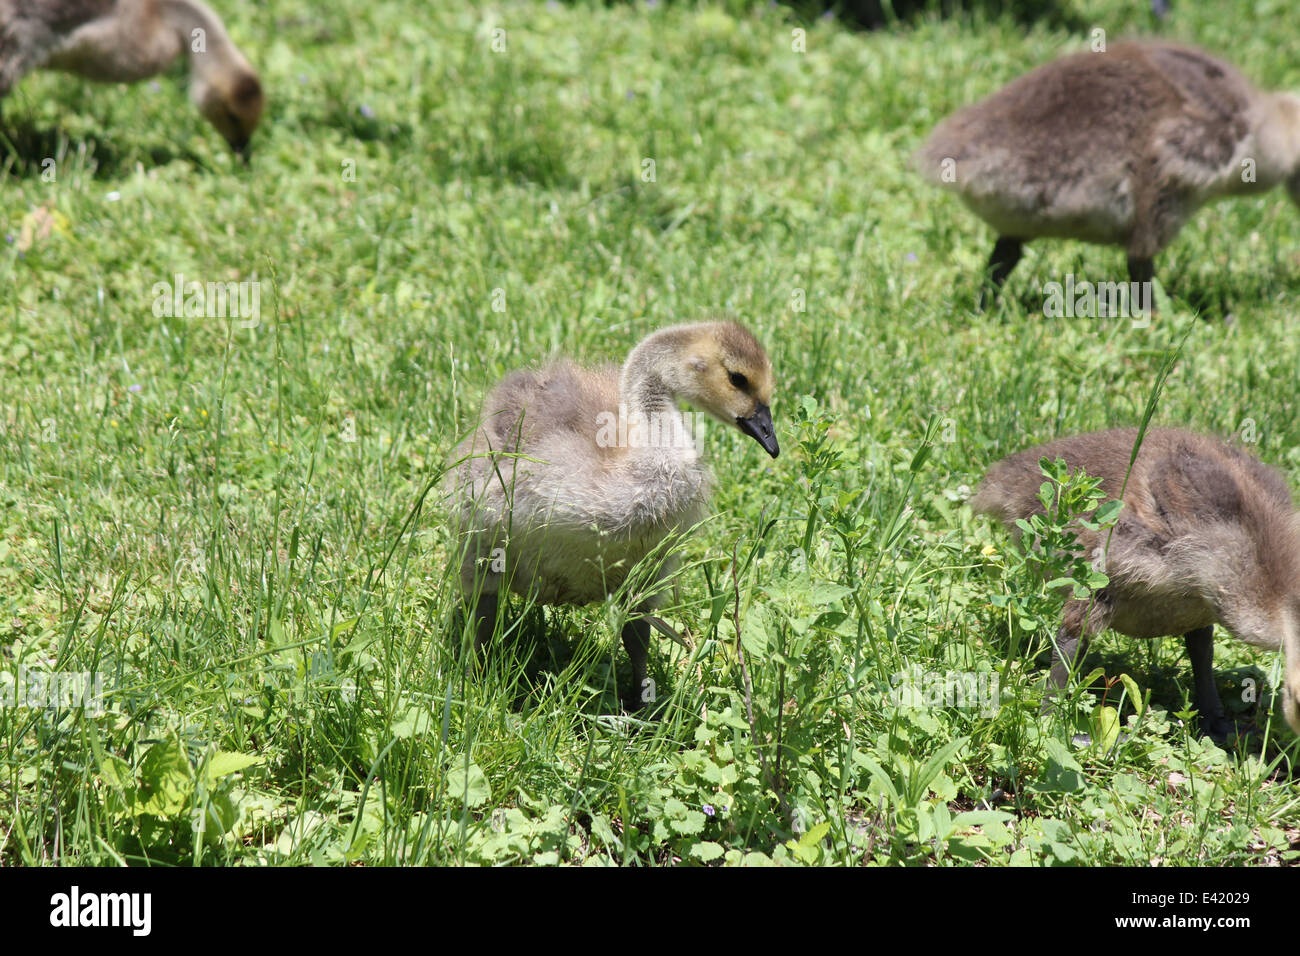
(1118, 148)
(122, 41)
(611, 469)
(1208, 535)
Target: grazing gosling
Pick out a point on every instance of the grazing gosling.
(577, 474)
(121, 41)
(1117, 148)
(1208, 535)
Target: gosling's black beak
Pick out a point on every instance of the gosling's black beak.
(758, 426)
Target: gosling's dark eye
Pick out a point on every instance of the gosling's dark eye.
(739, 381)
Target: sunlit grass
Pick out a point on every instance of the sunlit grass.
(229, 519)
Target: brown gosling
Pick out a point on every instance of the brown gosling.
(122, 41)
(1208, 535)
(577, 474)
(1117, 148)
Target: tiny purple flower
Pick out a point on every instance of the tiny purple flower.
(911, 257)
(652, 3)
(828, 15)
(154, 86)
(708, 810)
(135, 388)
(367, 112)
(9, 237)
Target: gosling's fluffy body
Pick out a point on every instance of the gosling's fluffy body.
(1117, 148)
(575, 516)
(1208, 535)
(546, 487)
(114, 41)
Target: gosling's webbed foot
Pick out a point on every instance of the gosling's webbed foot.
(1219, 729)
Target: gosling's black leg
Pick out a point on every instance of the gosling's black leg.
(1200, 648)
(636, 638)
(1141, 271)
(1006, 253)
(485, 621)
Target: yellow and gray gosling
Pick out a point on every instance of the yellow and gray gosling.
(1117, 148)
(577, 474)
(121, 41)
(1208, 535)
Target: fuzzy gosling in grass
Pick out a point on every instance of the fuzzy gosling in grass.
(610, 469)
(121, 41)
(1117, 148)
(1208, 535)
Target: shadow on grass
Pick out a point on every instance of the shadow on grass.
(26, 149)
(1211, 300)
(879, 14)
(540, 649)
(1220, 301)
(1244, 690)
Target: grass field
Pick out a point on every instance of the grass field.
(237, 524)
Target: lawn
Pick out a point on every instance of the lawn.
(237, 523)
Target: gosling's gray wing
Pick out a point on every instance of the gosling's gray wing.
(561, 399)
(1198, 143)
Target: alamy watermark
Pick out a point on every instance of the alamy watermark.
(637, 429)
(133, 911)
(1079, 298)
(964, 690)
(53, 690)
(209, 300)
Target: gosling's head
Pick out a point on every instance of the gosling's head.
(232, 101)
(722, 369)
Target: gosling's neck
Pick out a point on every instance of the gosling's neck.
(1291, 663)
(658, 433)
(647, 381)
(1278, 139)
(201, 34)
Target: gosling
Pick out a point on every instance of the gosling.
(1207, 535)
(122, 41)
(578, 474)
(1116, 148)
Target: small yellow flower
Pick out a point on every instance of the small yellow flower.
(113, 422)
(988, 550)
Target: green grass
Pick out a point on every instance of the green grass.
(248, 582)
